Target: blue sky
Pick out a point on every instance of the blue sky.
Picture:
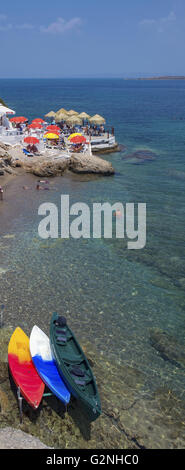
(45, 38)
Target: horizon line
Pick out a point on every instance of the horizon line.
(130, 76)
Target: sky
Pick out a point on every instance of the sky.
(98, 38)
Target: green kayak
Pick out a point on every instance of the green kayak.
(74, 366)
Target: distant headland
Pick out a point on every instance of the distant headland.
(164, 77)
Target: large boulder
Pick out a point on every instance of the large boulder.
(83, 163)
(5, 159)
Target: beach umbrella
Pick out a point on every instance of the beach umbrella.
(72, 112)
(5, 110)
(74, 120)
(50, 114)
(97, 119)
(61, 117)
(51, 136)
(38, 120)
(74, 135)
(84, 115)
(31, 140)
(19, 119)
(53, 128)
(78, 139)
(35, 125)
(62, 110)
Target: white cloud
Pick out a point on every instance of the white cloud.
(159, 23)
(60, 26)
(169, 18)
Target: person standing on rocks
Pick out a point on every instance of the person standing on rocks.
(1, 193)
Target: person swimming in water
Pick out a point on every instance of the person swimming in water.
(117, 213)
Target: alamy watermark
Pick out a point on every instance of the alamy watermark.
(95, 222)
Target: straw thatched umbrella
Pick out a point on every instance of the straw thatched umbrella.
(61, 116)
(97, 119)
(50, 114)
(61, 110)
(84, 115)
(72, 112)
(74, 120)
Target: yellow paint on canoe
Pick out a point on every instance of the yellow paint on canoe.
(19, 346)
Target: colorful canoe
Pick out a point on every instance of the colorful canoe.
(74, 366)
(23, 370)
(45, 364)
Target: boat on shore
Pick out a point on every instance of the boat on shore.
(74, 366)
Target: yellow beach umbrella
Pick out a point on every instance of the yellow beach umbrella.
(74, 135)
(50, 135)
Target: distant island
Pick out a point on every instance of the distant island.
(165, 77)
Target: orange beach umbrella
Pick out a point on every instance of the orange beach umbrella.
(53, 128)
(38, 120)
(35, 125)
(31, 140)
(19, 119)
(78, 139)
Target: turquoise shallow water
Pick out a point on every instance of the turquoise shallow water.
(111, 295)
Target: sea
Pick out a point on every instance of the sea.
(129, 304)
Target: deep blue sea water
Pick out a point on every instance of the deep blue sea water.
(111, 296)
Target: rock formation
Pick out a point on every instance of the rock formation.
(46, 165)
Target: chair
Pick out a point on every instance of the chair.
(27, 153)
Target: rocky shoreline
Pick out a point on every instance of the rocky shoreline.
(51, 164)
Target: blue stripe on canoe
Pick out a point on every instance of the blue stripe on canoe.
(51, 377)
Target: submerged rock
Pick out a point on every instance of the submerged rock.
(181, 282)
(176, 174)
(4, 402)
(168, 347)
(5, 335)
(141, 155)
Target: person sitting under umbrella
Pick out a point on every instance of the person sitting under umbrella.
(32, 148)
